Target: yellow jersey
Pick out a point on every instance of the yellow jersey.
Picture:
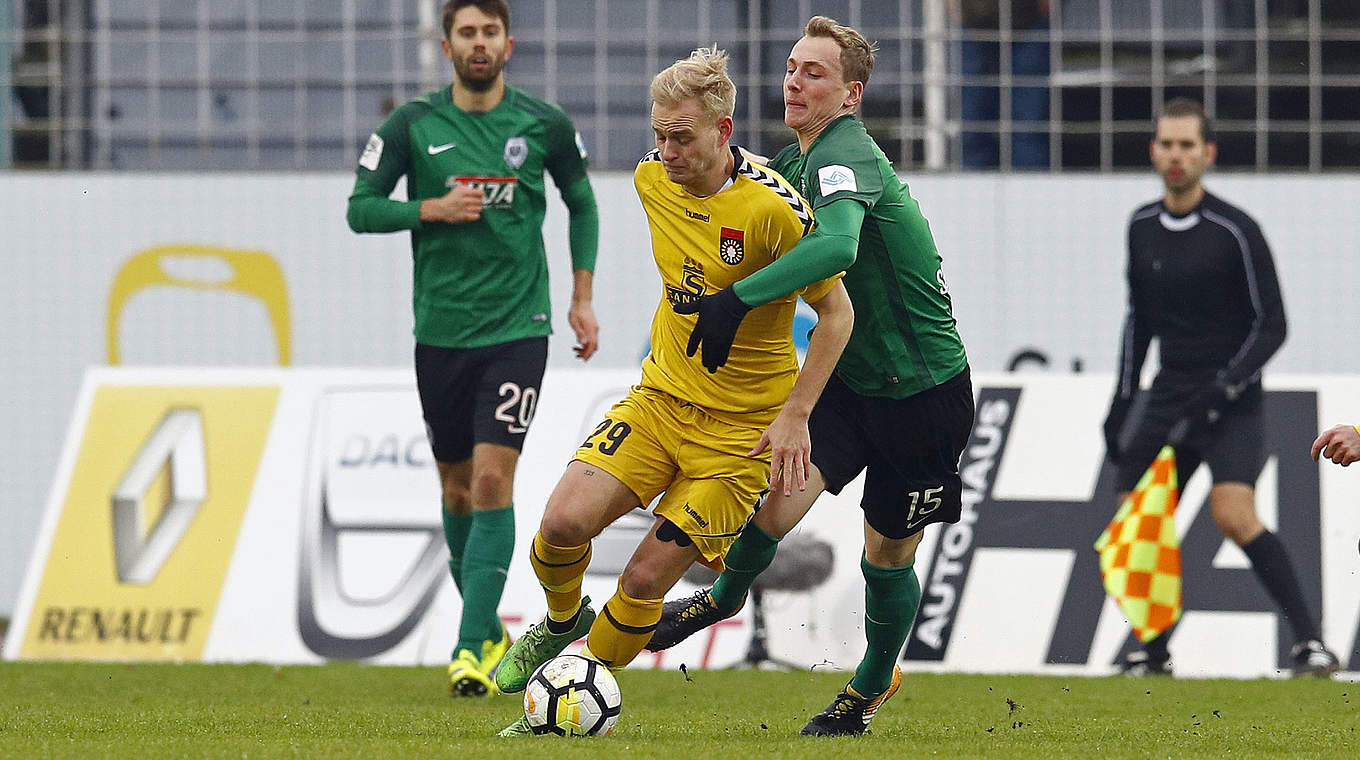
(701, 246)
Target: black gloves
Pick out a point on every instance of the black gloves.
(1202, 409)
(1114, 423)
(719, 317)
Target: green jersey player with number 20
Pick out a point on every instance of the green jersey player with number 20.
(474, 156)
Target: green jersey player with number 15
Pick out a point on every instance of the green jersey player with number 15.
(474, 156)
(900, 404)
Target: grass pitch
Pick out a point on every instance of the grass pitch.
(354, 711)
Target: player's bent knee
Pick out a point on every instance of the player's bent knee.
(892, 552)
(491, 489)
(648, 579)
(641, 582)
(457, 500)
(563, 527)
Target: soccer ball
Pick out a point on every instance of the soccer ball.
(572, 695)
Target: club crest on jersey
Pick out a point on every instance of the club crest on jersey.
(516, 151)
(732, 247)
(497, 192)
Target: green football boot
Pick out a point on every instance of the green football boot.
(520, 727)
(537, 646)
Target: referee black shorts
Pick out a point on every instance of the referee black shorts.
(479, 395)
(910, 448)
(1233, 446)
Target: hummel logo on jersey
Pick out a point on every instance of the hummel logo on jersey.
(835, 178)
(497, 192)
(435, 150)
(696, 215)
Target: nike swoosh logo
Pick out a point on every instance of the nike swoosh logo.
(435, 150)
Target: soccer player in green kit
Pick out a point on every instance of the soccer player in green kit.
(474, 155)
(900, 403)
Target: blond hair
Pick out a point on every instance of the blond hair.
(857, 54)
(702, 76)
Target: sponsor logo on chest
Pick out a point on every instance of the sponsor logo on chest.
(691, 283)
(497, 192)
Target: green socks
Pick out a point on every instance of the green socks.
(891, 597)
(486, 560)
(751, 553)
(456, 529)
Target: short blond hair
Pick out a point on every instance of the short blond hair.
(703, 75)
(857, 54)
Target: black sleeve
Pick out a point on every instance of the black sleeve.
(1133, 341)
(1268, 326)
(1133, 346)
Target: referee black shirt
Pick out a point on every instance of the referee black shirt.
(1204, 283)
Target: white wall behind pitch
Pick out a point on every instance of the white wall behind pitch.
(1032, 261)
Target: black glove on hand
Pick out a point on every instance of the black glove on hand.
(719, 317)
(1203, 409)
(1114, 423)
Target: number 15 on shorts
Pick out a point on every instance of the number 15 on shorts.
(920, 504)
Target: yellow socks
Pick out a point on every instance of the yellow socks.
(560, 570)
(623, 628)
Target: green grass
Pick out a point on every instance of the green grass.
(354, 711)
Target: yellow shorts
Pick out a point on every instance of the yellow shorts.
(654, 443)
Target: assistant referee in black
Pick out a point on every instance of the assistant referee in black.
(1201, 280)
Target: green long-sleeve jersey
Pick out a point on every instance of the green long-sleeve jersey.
(483, 282)
(905, 340)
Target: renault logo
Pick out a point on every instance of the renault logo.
(176, 449)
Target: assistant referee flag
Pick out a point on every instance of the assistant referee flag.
(1140, 554)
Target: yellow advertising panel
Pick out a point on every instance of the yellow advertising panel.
(149, 523)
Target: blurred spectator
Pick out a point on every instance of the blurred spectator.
(981, 54)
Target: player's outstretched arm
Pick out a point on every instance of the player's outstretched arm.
(787, 437)
(1341, 444)
(831, 248)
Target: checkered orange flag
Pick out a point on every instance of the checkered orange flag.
(1140, 554)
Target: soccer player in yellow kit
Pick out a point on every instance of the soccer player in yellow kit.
(702, 441)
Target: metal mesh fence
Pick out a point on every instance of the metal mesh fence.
(1026, 84)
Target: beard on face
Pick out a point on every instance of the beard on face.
(480, 81)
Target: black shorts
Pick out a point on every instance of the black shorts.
(1233, 446)
(910, 446)
(479, 395)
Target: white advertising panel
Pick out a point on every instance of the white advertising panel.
(305, 528)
